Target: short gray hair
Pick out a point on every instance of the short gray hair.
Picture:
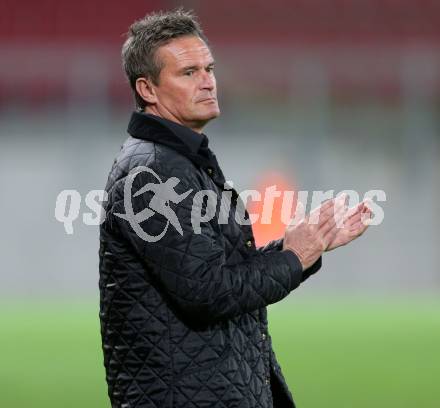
(145, 36)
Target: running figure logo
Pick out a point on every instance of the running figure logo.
(164, 193)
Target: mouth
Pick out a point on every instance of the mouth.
(208, 100)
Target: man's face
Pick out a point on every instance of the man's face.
(186, 92)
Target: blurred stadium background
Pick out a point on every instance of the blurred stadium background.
(315, 95)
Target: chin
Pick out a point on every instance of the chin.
(213, 112)
(208, 114)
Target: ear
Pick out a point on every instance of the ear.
(146, 90)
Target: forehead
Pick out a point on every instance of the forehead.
(183, 51)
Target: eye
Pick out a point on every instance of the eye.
(189, 73)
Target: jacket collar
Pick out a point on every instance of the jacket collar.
(151, 127)
(181, 138)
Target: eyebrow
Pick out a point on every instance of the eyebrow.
(189, 67)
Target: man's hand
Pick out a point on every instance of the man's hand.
(355, 223)
(311, 236)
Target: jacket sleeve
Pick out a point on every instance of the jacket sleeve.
(277, 245)
(191, 267)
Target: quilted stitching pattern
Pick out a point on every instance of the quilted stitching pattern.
(182, 319)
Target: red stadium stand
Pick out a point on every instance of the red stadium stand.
(48, 47)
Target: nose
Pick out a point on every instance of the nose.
(208, 81)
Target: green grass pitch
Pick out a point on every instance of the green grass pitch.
(334, 353)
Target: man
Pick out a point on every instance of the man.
(183, 302)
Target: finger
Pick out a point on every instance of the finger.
(367, 217)
(333, 222)
(339, 226)
(353, 218)
(359, 228)
(368, 203)
(322, 212)
(329, 213)
(327, 204)
(334, 233)
(367, 206)
(341, 209)
(331, 235)
(337, 215)
(355, 209)
(357, 232)
(341, 216)
(357, 213)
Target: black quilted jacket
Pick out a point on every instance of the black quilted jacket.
(183, 319)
